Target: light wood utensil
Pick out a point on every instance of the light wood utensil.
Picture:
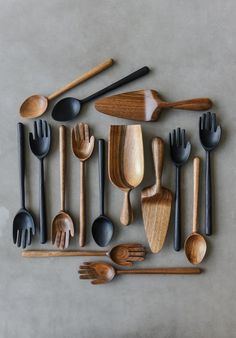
(126, 163)
(156, 202)
(34, 106)
(195, 245)
(145, 105)
(102, 273)
(123, 254)
(62, 224)
(82, 146)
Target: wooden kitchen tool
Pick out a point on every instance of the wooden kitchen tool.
(195, 245)
(34, 106)
(126, 163)
(102, 273)
(156, 202)
(122, 254)
(145, 105)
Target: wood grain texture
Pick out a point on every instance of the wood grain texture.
(126, 163)
(145, 105)
(156, 202)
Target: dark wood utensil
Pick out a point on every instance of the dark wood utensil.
(209, 133)
(40, 145)
(179, 150)
(102, 273)
(82, 146)
(156, 202)
(123, 254)
(195, 245)
(62, 224)
(34, 106)
(145, 105)
(69, 108)
(126, 163)
(102, 228)
(23, 223)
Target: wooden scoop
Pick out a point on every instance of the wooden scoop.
(156, 202)
(145, 105)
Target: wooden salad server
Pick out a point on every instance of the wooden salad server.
(145, 105)
(156, 202)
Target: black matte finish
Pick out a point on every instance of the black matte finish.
(23, 223)
(209, 134)
(102, 228)
(68, 108)
(180, 150)
(40, 144)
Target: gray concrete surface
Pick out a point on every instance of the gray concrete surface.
(190, 46)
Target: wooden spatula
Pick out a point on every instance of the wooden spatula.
(156, 202)
(145, 105)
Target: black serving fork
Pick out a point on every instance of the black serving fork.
(209, 134)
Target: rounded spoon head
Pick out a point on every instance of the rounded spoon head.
(34, 106)
(62, 224)
(195, 248)
(100, 272)
(23, 228)
(66, 109)
(102, 230)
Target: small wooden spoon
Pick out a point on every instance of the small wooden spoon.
(62, 224)
(102, 273)
(195, 245)
(34, 106)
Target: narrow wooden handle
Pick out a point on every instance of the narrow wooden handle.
(126, 216)
(196, 176)
(158, 156)
(92, 72)
(193, 104)
(174, 271)
(82, 228)
(62, 148)
(55, 253)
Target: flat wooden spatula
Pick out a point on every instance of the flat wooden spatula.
(156, 202)
(145, 105)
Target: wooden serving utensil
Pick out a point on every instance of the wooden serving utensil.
(145, 105)
(35, 105)
(122, 254)
(156, 202)
(195, 245)
(126, 163)
(102, 273)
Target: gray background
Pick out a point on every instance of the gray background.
(190, 46)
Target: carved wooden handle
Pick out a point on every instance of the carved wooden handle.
(126, 216)
(181, 271)
(193, 104)
(82, 228)
(62, 147)
(158, 156)
(55, 253)
(196, 176)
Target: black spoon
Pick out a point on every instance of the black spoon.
(40, 145)
(68, 108)
(102, 228)
(209, 134)
(23, 223)
(180, 150)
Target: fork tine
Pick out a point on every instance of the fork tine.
(208, 120)
(86, 132)
(135, 259)
(204, 121)
(40, 128)
(174, 137)
(99, 281)
(213, 122)
(45, 128)
(179, 143)
(200, 123)
(19, 238)
(87, 277)
(170, 140)
(14, 235)
(183, 138)
(77, 135)
(67, 239)
(24, 238)
(35, 130)
(62, 240)
(86, 271)
(81, 131)
(57, 239)
(137, 254)
(134, 249)
(29, 236)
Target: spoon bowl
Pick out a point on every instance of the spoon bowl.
(62, 228)
(23, 228)
(102, 230)
(195, 248)
(66, 109)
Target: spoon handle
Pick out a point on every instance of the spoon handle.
(126, 216)
(131, 77)
(92, 72)
(82, 227)
(208, 211)
(182, 271)
(42, 206)
(158, 156)
(101, 168)
(192, 104)
(62, 145)
(177, 219)
(196, 176)
(21, 138)
(55, 253)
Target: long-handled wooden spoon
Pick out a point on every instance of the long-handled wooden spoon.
(35, 105)
(122, 254)
(101, 272)
(145, 105)
(195, 245)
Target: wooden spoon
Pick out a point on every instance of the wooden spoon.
(34, 106)
(195, 245)
(62, 224)
(156, 202)
(145, 105)
(122, 254)
(126, 163)
(102, 273)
